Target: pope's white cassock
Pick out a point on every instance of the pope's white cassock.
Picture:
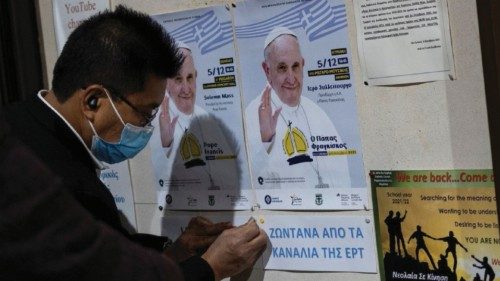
(191, 162)
(288, 161)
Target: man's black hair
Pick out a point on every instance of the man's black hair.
(118, 49)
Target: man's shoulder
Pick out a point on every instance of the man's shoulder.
(25, 123)
(49, 138)
(17, 112)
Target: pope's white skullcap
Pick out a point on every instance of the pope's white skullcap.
(183, 45)
(275, 33)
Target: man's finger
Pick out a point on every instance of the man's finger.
(262, 105)
(217, 228)
(174, 121)
(203, 242)
(167, 103)
(199, 222)
(258, 245)
(163, 107)
(248, 231)
(267, 94)
(203, 220)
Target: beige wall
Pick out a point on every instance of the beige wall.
(438, 125)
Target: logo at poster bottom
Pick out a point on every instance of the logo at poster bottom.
(260, 180)
(269, 199)
(211, 200)
(296, 201)
(168, 199)
(192, 201)
(319, 199)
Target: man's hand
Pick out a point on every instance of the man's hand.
(167, 126)
(267, 120)
(196, 238)
(236, 249)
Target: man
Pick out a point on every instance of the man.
(398, 231)
(477, 277)
(389, 221)
(108, 84)
(443, 265)
(419, 237)
(285, 128)
(452, 242)
(46, 235)
(187, 147)
(489, 274)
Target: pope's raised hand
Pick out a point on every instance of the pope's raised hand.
(267, 119)
(167, 125)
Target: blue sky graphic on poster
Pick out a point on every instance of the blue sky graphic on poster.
(206, 31)
(317, 18)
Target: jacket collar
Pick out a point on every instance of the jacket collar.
(60, 127)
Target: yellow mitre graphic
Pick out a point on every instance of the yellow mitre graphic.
(190, 150)
(295, 143)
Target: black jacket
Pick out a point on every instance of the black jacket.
(50, 139)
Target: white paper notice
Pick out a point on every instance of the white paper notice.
(68, 14)
(302, 242)
(404, 41)
(305, 243)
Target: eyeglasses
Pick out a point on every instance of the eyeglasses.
(147, 117)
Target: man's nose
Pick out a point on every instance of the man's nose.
(290, 77)
(184, 87)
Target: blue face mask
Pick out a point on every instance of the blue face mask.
(132, 140)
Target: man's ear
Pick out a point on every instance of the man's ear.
(91, 99)
(265, 67)
(169, 83)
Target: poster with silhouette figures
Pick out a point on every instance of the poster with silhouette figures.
(299, 104)
(198, 149)
(436, 225)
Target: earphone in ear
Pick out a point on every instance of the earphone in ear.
(92, 102)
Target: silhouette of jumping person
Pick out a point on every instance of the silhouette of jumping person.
(452, 247)
(419, 237)
(392, 234)
(488, 270)
(397, 220)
